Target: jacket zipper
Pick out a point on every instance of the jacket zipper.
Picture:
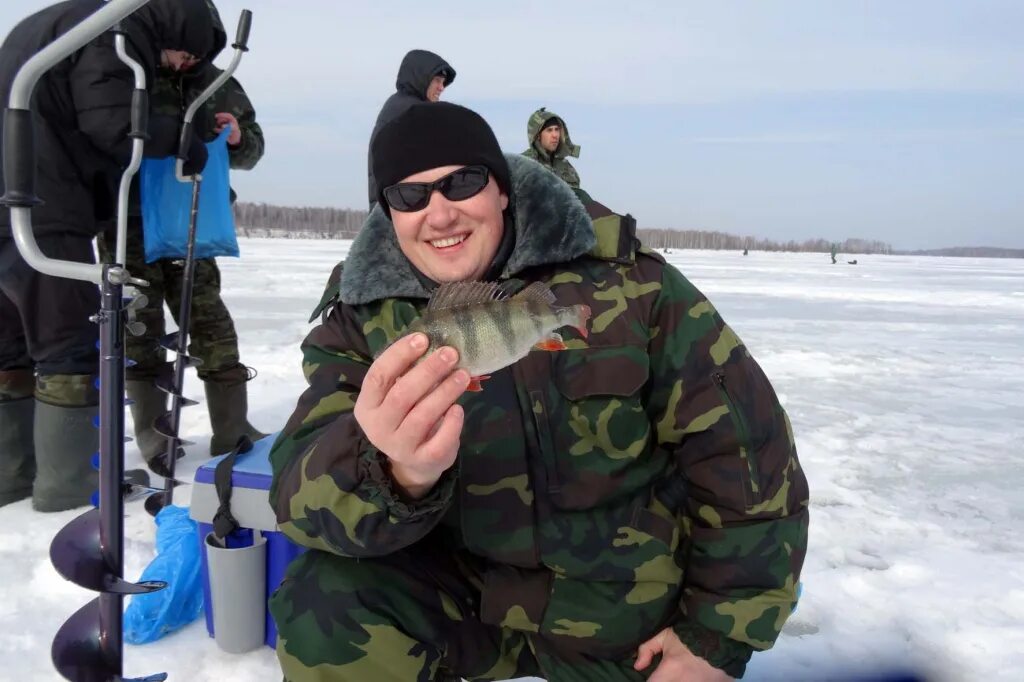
(740, 421)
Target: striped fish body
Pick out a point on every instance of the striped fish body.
(491, 330)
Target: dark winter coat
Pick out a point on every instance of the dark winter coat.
(81, 106)
(418, 68)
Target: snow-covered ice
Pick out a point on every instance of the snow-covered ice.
(904, 380)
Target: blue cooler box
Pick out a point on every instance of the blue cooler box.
(250, 505)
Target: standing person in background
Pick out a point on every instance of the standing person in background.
(550, 144)
(81, 115)
(422, 77)
(212, 335)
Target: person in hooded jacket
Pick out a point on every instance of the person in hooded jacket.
(422, 77)
(212, 335)
(550, 144)
(81, 116)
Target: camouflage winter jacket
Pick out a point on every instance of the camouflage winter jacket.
(173, 92)
(556, 162)
(645, 476)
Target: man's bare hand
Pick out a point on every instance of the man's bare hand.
(408, 411)
(678, 663)
(224, 120)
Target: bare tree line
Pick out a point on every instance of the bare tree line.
(289, 222)
(969, 251)
(703, 239)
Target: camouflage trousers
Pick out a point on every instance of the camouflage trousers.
(410, 617)
(212, 336)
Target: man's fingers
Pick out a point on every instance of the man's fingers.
(422, 422)
(645, 654)
(445, 440)
(420, 381)
(385, 370)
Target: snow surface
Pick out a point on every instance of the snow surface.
(904, 381)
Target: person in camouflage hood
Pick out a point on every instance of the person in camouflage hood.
(422, 77)
(629, 504)
(212, 335)
(550, 144)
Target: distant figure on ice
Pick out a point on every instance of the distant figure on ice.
(632, 506)
(549, 143)
(745, 252)
(48, 356)
(212, 335)
(833, 254)
(422, 77)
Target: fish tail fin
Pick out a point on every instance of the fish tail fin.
(581, 315)
(476, 383)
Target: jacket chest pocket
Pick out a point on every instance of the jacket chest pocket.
(593, 426)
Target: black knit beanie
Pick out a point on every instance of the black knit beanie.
(431, 135)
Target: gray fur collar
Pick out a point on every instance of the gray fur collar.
(551, 225)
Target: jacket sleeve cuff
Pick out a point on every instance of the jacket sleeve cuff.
(380, 489)
(714, 647)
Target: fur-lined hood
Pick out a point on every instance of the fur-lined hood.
(551, 226)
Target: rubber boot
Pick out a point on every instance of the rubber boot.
(17, 452)
(148, 403)
(66, 440)
(228, 402)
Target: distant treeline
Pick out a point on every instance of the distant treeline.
(290, 222)
(968, 252)
(702, 239)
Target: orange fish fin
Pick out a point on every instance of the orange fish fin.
(553, 342)
(476, 383)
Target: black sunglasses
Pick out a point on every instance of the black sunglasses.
(458, 185)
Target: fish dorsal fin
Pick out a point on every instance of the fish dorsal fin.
(538, 291)
(456, 294)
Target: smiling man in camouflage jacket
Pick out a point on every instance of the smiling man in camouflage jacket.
(629, 508)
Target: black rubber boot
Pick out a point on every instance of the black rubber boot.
(65, 440)
(228, 402)
(148, 403)
(17, 451)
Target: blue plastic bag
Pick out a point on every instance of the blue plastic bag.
(151, 616)
(167, 204)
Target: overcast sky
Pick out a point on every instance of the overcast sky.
(901, 121)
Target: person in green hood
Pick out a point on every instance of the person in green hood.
(550, 144)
